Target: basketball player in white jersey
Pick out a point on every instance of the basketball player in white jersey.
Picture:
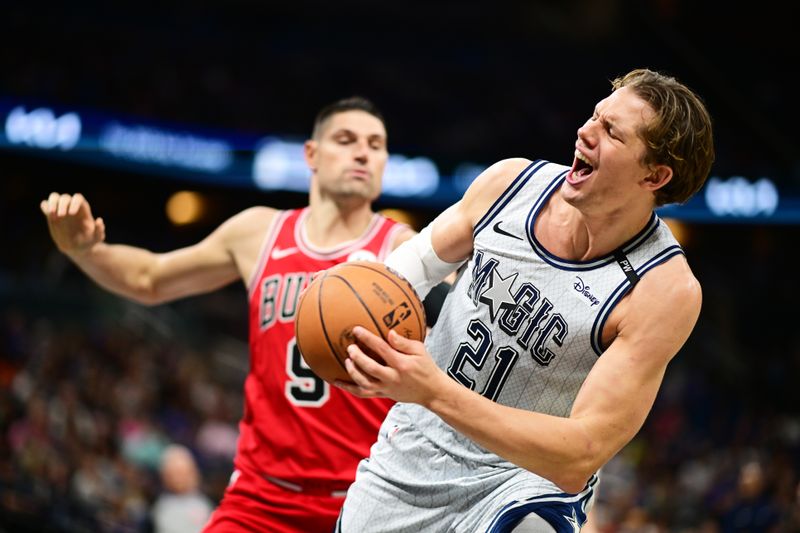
(553, 342)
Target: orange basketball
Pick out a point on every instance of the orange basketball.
(359, 293)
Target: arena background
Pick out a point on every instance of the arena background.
(94, 387)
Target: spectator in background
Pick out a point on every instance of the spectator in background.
(180, 507)
(753, 510)
(216, 437)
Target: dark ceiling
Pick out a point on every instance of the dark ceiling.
(457, 81)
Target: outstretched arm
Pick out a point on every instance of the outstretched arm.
(136, 273)
(609, 410)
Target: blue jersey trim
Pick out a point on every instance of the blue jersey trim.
(579, 266)
(621, 290)
(564, 512)
(508, 194)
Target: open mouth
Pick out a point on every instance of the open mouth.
(581, 169)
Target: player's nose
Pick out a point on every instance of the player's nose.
(361, 151)
(586, 133)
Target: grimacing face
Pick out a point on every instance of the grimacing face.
(609, 150)
(349, 155)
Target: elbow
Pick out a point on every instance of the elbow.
(574, 475)
(145, 292)
(573, 479)
(572, 482)
(150, 297)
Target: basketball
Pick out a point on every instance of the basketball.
(358, 293)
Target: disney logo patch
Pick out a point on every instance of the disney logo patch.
(583, 289)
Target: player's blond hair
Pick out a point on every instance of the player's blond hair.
(679, 136)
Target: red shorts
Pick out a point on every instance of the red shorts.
(252, 503)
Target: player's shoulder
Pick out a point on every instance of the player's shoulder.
(661, 310)
(257, 211)
(491, 183)
(671, 284)
(509, 168)
(249, 223)
(402, 233)
(500, 174)
(399, 231)
(253, 216)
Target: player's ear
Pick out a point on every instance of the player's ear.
(659, 176)
(310, 153)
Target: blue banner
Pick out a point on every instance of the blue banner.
(274, 162)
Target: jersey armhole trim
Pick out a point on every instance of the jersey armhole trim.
(263, 254)
(388, 243)
(623, 289)
(508, 194)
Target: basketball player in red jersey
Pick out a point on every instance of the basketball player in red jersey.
(300, 438)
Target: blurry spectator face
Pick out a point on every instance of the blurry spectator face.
(179, 472)
(349, 156)
(751, 480)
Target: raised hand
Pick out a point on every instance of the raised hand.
(72, 226)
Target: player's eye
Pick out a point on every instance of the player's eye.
(612, 132)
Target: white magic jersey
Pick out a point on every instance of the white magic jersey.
(521, 327)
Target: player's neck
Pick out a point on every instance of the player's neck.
(329, 224)
(574, 234)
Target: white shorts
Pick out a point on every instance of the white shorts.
(411, 485)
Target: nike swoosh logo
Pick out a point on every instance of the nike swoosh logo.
(501, 231)
(280, 253)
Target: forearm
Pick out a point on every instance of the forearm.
(556, 448)
(419, 263)
(121, 269)
(567, 451)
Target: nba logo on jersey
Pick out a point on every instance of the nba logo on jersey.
(362, 255)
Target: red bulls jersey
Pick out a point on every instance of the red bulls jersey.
(296, 427)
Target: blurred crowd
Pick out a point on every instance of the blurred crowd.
(702, 466)
(109, 427)
(100, 402)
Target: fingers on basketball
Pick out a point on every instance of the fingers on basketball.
(359, 293)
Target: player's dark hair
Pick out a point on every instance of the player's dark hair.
(352, 103)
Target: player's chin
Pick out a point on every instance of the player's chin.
(367, 192)
(366, 186)
(572, 195)
(356, 194)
